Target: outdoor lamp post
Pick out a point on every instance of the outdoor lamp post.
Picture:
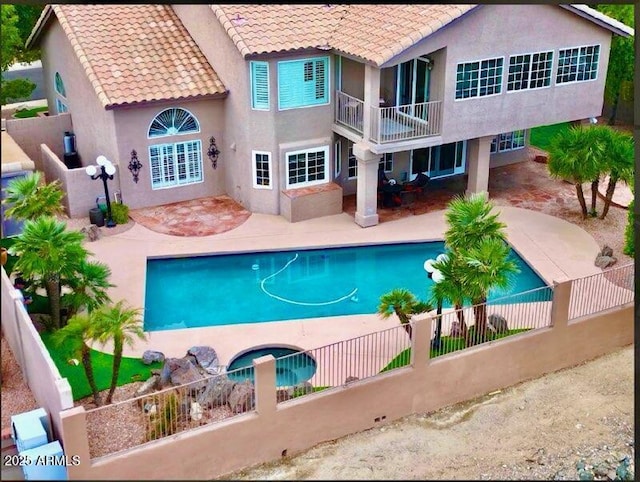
(107, 170)
(437, 276)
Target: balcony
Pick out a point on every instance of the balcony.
(389, 124)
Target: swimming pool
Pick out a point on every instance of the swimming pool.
(285, 285)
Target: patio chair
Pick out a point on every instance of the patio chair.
(418, 185)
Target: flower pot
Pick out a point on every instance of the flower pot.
(4, 256)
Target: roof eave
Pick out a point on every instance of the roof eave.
(125, 105)
(600, 19)
(34, 36)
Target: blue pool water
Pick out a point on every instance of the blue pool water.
(290, 371)
(285, 285)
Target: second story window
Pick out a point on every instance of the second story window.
(61, 94)
(578, 64)
(259, 85)
(479, 79)
(303, 83)
(529, 71)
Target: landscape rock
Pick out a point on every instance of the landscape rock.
(497, 323)
(150, 386)
(205, 356)
(303, 388)
(242, 397)
(217, 391)
(606, 251)
(605, 261)
(151, 356)
(178, 371)
(349, 379)
(91, 232)
(282, 395)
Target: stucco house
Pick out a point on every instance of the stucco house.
(302, 102)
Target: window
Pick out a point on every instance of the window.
(59, 85)
(303, 83)
(337, 159)
(508, 141)
(175, 164)
(259, 85)
(308, 167)
(578, 64)
(61, 107)
(529, 71)
(173, 121)
(352, 163)
(261, 169)
(479, 79)
(387, 161)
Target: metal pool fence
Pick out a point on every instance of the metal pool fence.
(602, 291)
(498, 318)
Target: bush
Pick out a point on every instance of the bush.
(120, 213)
(629, 248)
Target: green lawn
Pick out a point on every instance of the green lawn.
(541, 136)
(23, 114)
(131, 369)
(448, 345)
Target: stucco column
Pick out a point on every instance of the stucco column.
(367, 193)
(265, 389)
(560, 303)
(371, 97)
(479, 151)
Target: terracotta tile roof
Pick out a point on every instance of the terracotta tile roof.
(136, 53)
(374, 33)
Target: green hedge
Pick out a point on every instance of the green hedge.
(629, 245)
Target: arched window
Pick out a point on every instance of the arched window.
(60, 85)
(173, 121)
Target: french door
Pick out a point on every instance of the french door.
(412, 83)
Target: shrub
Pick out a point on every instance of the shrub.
(120, 213)
(629, 248)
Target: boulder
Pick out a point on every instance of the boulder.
(604, 262)
(301, 389)
(205, 356)
(282, 395)
(497, 323)
(150, 386)
(217, 391)
(347, 380)
(151, 356)
(606, 251)
(242, 397)
(91, 232)
(178, 371)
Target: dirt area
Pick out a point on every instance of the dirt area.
(538, 429)
(15, 393)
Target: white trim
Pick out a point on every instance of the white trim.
(178, 133)
(298, 185)
(337, 158)
(254, 169)
(555, 77)
(551, 71)
(349, 157)
(174, 160)
(502, 79)
(382, 159)
(497, 138)
(251, 86)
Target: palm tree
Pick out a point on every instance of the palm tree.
(575, 155)
(488, 266)
(451, 287)
(48, 252)
(73, 337)
(619, 161)
(404, 304)
(89, 284)
(30, 197)
(119, 324)
(470, 218)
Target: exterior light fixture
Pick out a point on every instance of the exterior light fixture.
(213, 152)
(107, 170)
(135, 165)
(437, 277)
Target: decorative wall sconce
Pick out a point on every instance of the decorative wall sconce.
(135, 165)
(213, 152)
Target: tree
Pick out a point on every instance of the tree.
(73, 338)
(452, 288)
(30, 197)
(121, 325)
(575, 155)
(618, 160)
(404, 304)
(631, 228)
(89, 284)
(620, 73)
(27, 17)
(10, 48)
(47, 251)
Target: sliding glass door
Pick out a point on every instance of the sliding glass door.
(439, 161)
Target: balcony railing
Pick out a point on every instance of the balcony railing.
(405, 122)
(349, 111)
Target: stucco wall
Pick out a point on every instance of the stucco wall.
(132, 127)
(92, 124)
(502, 30)
(426, 385)
(32, 132)
(80, 190)
(51, 391)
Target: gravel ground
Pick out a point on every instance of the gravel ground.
(15, 393)
(537, 430)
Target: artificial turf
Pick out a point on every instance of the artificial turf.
(24, 113)
(541, 136)
(131, 369)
